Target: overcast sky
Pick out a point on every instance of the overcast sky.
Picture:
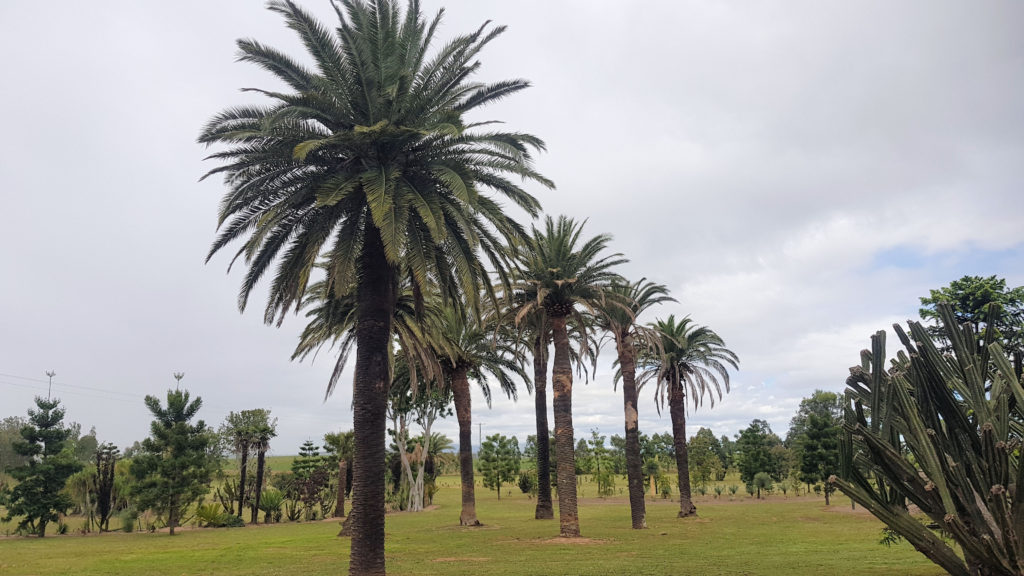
(798, 173)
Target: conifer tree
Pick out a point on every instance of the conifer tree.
(38, 498)
(176, 461)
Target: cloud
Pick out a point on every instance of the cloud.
(798, 174)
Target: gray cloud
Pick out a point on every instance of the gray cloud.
(765, 161)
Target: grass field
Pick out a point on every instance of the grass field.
(780, 535)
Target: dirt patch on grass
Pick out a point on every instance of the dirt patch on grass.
(575, 541)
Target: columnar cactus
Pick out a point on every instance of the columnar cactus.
(942, 432)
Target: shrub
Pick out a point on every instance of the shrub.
(718, 490)
(528, 482)
(733, 489)
(128, 518)
(762, 481)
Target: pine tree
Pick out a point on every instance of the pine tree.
(38, 498)
(176, 461)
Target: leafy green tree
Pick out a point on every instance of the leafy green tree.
(239, 432)
(819, 458)
(618, 317)
(822, 403)
(562, 274)
(368, 163)
(969, 298)
(601, 465)
(762, 481)
(499, 461)
(38, 497)
(754, 451)
(691, 360)
(705, 459)
(10, 432)
(177, 460)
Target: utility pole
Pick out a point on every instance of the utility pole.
(49, 386)
(178, 376)
(480, 435)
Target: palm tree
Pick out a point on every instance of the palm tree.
(534, 333)
(263, 430)
(692, 359)
(467, 349)
(618, 318)
(366, 161)
(559, 274)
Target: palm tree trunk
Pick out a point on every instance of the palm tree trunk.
(545, 509)
(244, 449)
(339, 510)
(460, 392)
(561, 385)
(375, 298)
(634, 464)
(677, 408)
(261, 460)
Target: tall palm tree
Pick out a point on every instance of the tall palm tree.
(533, 332)
(561, 276)
(618, 318)
(467, 349)
(692, 360)
(366, 160)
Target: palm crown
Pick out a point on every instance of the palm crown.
(693, 357)
(557, 272)
(370, 145)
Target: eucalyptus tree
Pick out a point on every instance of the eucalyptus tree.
(469, 349)
(692, 360)
(564, 276)
(618, 318)
(366, 160)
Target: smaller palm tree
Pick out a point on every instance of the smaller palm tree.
(468, 348)
(618, 318)
(693, 360)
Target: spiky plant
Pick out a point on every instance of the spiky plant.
(941, 431)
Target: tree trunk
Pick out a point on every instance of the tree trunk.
(463, 412)
(241, 477)
(376, 295)
(677, 408)
(634, 464)
(261, 460)
(420, 484)
(545, 509)
(339, 510)
(561, 385)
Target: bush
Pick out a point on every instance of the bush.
(762, 481)
(718, 490)
(733, 489)
(528, 482)
(128, 518)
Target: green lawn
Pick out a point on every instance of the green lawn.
(742, 536)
